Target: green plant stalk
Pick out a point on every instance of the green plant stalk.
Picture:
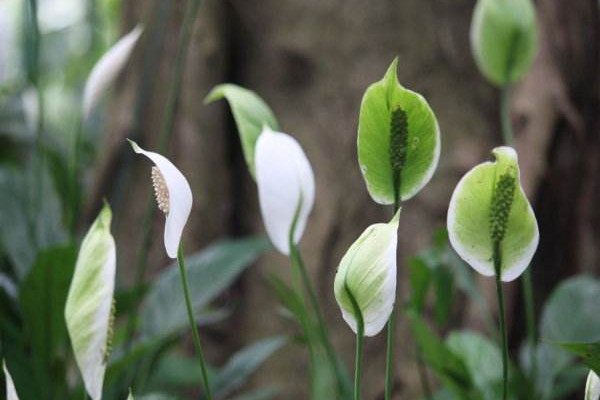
(192, 320)
(298, 263)
(166, 129)
(527, 280)
(360, 335)
(498, 269)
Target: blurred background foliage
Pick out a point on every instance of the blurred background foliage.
(311, 61)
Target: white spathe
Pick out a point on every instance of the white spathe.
(592, 387)
(107, 69)
(285, 181)
(89, 303)
(180, 198)
(11, 392)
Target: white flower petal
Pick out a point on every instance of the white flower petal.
(368, 270)
(107, 69)
(89, 303)
(180, 198)
(592, 387)
(284, 177)
(11, 392)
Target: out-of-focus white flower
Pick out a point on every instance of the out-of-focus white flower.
(89, 310)
(107, 69)
(286, 187)
(368, 272)
(592, 387)
(173, 195)
(11, 392)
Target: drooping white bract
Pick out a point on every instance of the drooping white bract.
(286, 187)
(489, 210)
(592, 387)
(107, 69)
(89, 311)
(11, 392)
(173, 195)
(368, 272)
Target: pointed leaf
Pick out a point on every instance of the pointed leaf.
(89, 307)
(251, 115)
(398, 140)
(487, 207)
(210, 272)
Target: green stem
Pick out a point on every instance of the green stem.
(498, 269)
(360, 335)
(192, 320)
(298, 263)
(166, 130)
(527, 280)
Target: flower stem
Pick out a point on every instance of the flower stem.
(192, 320)
(527, 280)
(167, 125)
(360, 335)
(296, 259)
(498, 267)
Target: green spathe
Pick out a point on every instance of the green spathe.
(251, 115)
(479, 218)
(368, 271)
(504, 39)
(398, 140)
(89, 306)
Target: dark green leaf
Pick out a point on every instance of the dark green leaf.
(420, 279)
(588, 352)
(43, 296)
(251, 114)
(443, 282)
(210, 272)
(239, 367)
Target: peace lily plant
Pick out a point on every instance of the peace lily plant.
(174, 199)
(491, 225)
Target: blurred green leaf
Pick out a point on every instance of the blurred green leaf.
(175, 371)
(258, 394)
(43, 296)
(482, 359)
(588, 352)
(210, 272)
(243, 363)
(30, 217)
(419, 279)
(250, 112)
(571, 313)
(443, 282)
(450, 369)
(288, 298)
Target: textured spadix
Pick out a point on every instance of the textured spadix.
(286, 186)
(89, 306)
(488, 208)
(176, 202)
(398, 140)
(368, 272)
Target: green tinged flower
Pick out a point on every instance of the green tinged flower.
(504, 39)
(489, 211)
(89, 311)
(398, 140)
(368, 272)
